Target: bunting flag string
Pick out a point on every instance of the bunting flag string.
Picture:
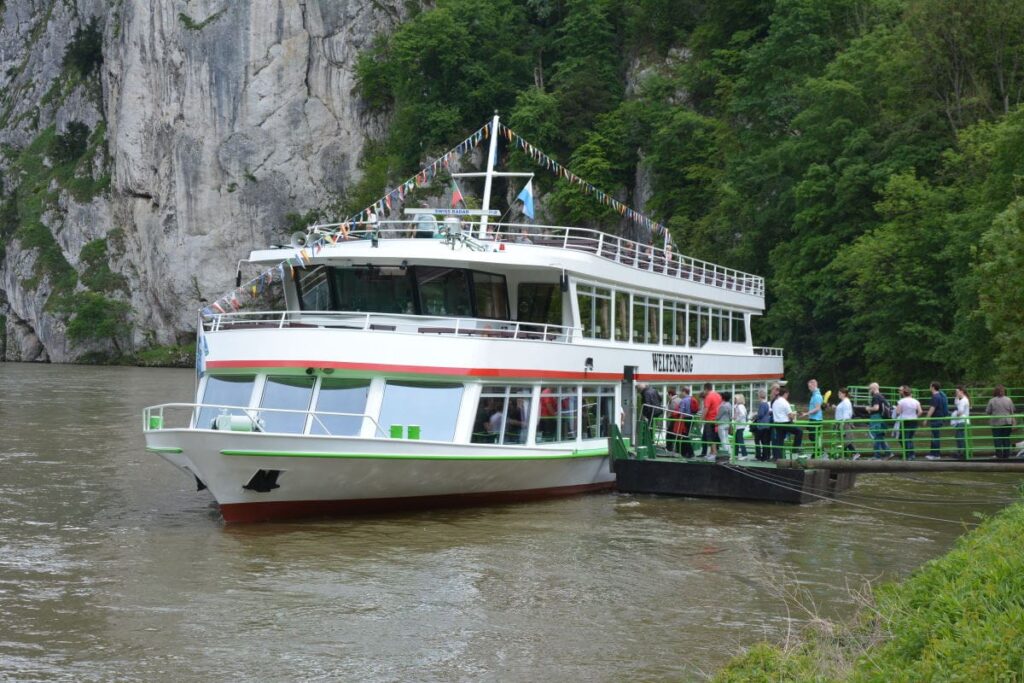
(391, 200)
(560, 171)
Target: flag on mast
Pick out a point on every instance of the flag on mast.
(526, 197)
(456, 194)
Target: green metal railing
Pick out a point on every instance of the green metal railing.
(979, 436)
(859, 394)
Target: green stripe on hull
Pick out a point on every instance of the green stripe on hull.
(163, 449)
(599, 452)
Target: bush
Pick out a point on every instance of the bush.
(70, 145)
(84, 53)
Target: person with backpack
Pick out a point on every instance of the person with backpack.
(879, 412)
(687, 410)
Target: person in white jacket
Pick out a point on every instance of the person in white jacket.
(961, 419)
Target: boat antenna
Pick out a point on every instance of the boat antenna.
(489, 175)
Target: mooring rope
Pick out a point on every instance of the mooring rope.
(739, 469)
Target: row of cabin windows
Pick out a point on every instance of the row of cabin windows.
(628, 317)
(299, 405)
(419, 290)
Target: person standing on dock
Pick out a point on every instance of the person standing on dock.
(687, 410)
(762, 427)
(709, 416)
(815, 413)
(938, 408)
(782, 418)
(1000, 407)
(724, 422)
(739, 425)
(961, 419)
(844, 413)
(879, 411)
(908, 410)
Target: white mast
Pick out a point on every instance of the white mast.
(492, 151)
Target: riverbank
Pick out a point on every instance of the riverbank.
(958, 617)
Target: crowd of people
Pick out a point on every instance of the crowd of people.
(719, 423)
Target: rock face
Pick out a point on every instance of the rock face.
(206, 122)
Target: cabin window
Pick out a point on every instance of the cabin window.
(432, 407)
(286, 393)
(443, 291)
(225, 390)
(340, 396)
(373, 289)
(502, 415)
(559, 416)
(622, 316)
(314, 288)
(679, 336)
(645, 319)
(699, 325)
(598, 410)
(739, 327)
(540, 302)
(673, 323)
(595, 305)
(490, 294)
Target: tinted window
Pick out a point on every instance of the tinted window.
(443, 291)
(340, 396)
(375, 290)
(286, 393)
(540, 302)
(226, 390)
(433, 407)
(314, 288)
(598, 411)
(491, 296)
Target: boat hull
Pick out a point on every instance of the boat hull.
(316, 476)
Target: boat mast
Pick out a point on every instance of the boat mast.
(489, 176)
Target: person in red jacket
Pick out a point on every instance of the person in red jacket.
(709, 437)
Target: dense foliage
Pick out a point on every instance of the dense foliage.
(864, 155)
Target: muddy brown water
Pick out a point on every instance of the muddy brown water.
(112, 567)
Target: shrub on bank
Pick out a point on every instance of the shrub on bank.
(958, 618)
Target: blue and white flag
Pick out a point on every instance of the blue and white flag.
(526, 197)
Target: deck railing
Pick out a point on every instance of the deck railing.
(186, 416)
(390, 322)
(979, 436)
(860, 395)
(620, 250)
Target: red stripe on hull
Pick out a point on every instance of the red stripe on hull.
(296, 509)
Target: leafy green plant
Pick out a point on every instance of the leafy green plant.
(85, 51)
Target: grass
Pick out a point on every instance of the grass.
(958, 618)
(173, 356)
(192, 25)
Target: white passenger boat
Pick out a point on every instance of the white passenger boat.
(445, 360)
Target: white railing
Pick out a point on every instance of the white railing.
(610, 247)
(391, 322)
(154, 418)
(767, 351)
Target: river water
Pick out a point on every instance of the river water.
(112, 567)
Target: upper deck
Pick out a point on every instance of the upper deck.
(582, 251)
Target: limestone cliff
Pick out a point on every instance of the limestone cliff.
(145, 147)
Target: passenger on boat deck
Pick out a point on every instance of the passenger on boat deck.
(651, 401)
(709, 414)
(496, 419)
(724, 421)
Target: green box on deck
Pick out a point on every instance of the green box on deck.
(414, 432)
(396, 431)
(156, 422)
